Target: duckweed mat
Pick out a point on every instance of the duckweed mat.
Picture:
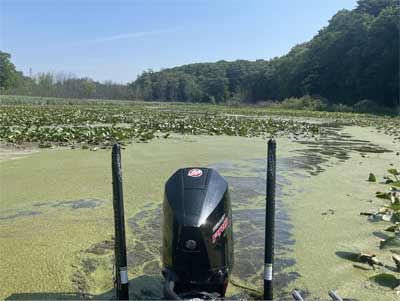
(57, 215)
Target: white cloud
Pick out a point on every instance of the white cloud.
(132, 35)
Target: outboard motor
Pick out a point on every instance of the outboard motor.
(197, 251)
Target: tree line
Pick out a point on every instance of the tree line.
(355, 58)
(60, 84)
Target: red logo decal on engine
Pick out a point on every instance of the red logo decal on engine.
(220, 230)
(195, 173)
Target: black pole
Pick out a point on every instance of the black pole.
(297, 296)
(121, 270)
(334, 296)
(270, 220)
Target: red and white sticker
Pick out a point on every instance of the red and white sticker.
(195, 173)
(220, 230)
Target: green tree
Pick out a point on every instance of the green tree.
(8, 74)
(374, 7)
(352, 61)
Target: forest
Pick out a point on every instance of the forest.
(354, 59)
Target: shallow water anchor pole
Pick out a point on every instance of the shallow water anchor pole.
(121, 270)
(270, 220)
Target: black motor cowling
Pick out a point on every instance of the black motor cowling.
(197, 251)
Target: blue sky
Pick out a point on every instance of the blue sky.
(117, 40)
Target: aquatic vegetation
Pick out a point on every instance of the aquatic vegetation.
(51, 122)
(371, 177)
(103, 125)
(387, 280)
(396, 181)
(390, 212)
(58, 179)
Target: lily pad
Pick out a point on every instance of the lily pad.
(383, 195)
(387, 280)
(394, 207)
(391, 242)
(393, 228)
(396, 217)
(394, 171)
(395, 200)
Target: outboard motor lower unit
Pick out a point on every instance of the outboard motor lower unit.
(197, 250)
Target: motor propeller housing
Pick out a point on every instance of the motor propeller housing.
(197, 250)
